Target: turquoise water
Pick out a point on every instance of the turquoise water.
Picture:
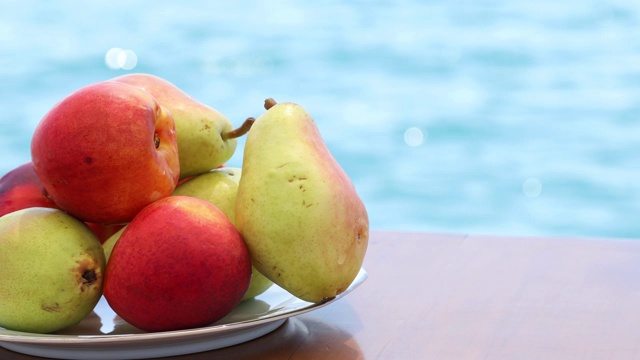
(498, 117)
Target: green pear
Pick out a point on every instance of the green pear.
(258, 285)
(111, 241)
(220, 187)
(52, 270)
(306, 227)
(206, 138)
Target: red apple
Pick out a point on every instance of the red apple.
(179, 264)
(105, 152)
(20, 188)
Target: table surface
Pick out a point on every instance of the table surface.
(457, 296)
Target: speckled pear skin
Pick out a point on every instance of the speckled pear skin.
(299, 213)
(220, 187)
(199, 127)
(52, 269)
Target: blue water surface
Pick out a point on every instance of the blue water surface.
(497, 117)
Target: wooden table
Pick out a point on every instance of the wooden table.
(456, 296)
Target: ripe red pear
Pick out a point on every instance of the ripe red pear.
(220, 187)
(179, 264)
(20, 188)
(206, 138)
(105, 231)
(105, 152)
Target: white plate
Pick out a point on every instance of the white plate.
(104, 335)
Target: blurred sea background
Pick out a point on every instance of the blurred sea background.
(492, 117)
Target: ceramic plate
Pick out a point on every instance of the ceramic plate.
(104, 335)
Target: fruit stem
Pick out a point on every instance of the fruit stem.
(269, 103)
(236, 133)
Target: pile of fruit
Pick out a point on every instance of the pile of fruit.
(127, 195)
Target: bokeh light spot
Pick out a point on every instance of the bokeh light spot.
(413, 136)
(117, 58)
(532, 187)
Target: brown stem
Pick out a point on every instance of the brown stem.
(269, 103)
(236, 133)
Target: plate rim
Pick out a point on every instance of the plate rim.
(57, 339)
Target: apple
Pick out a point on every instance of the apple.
(105, 152)
(20, 188)
(180, 263)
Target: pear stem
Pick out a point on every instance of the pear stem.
(236, 133)
(269, 103)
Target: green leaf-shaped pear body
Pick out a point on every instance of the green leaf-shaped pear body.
(299, 213)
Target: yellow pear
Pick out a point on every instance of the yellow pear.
(299, 213)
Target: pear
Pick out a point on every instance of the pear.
(258, 285)
(220, 187)
(179, 264)
(206, 138)
(299, 213)
(52, 270)
(110, 242)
